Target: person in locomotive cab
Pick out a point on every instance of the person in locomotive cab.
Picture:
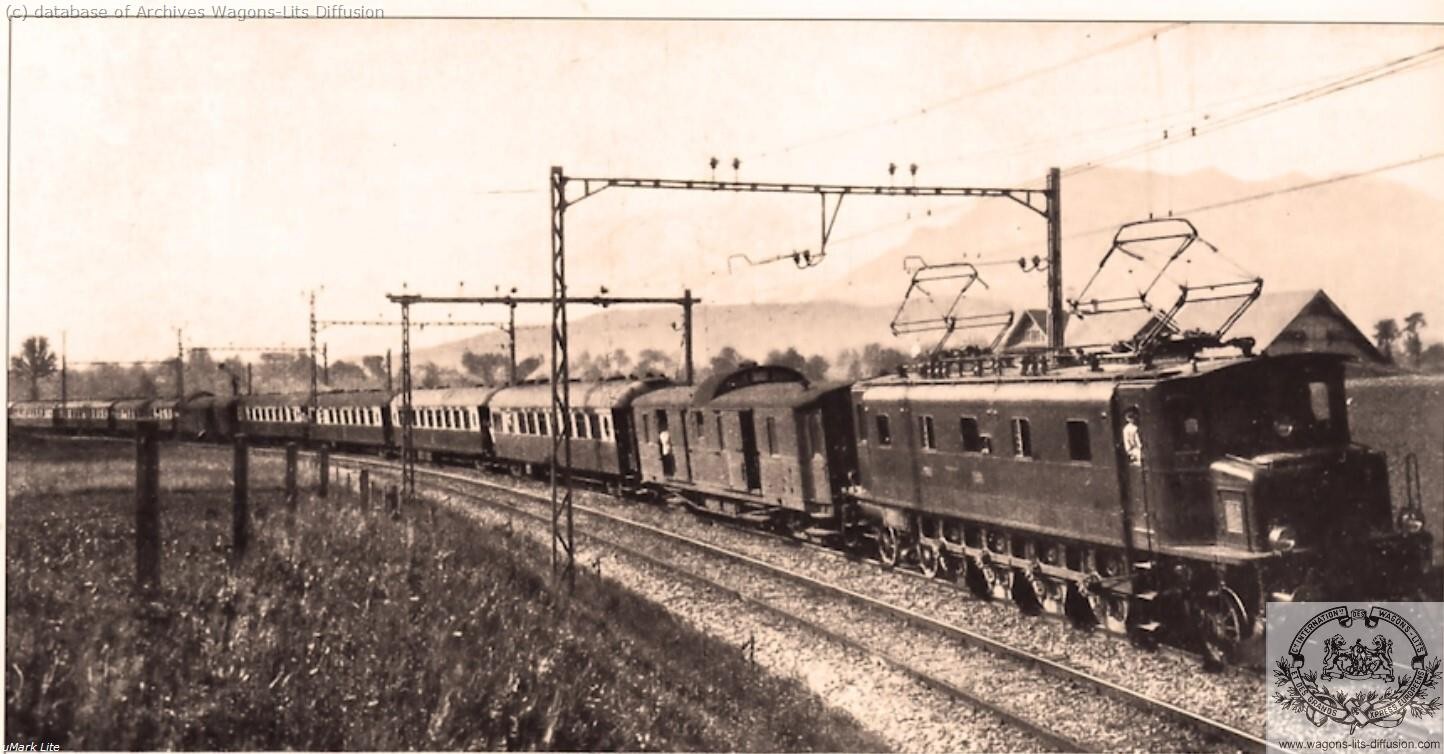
(664, 449)
(1132, 441)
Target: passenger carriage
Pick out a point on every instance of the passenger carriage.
(603, 445)
(353, 419)
(166, 413)
(33, 415)
(452, 422)
(760, 443)
(90, 417)
(274, 417)
(129, 413)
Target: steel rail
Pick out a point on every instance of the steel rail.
(1243, 739)
(1050, 738)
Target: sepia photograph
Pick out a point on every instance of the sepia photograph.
(776, 377)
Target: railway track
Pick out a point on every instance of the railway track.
(1062, 707)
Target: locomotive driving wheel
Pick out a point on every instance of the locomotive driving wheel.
(1044, 592)
(980, 578)
(1029, 591)
(889, 546)
(1223, 625)
(929, 559)
(1110, 609)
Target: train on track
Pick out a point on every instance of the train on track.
(1167, 496)
(1247, 488)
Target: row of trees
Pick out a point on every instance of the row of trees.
(34, 371)
(1389, 337)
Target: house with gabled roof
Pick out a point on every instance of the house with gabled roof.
(1305, 321)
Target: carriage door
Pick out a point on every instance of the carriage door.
(664, 443)
(624, 437)
(1135, 477)
(751, 468)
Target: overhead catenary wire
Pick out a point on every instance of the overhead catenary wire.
(1308, 185)
(945, 103)
(1176, 119)
(1209, 125)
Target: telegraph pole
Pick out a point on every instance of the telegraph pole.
(180, 366)
(311, 402)
(64, 375)
(1056, 316)
(511, 342)
(687, 370)
(561, 466)
(408, 443)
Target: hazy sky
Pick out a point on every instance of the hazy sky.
(206, 173)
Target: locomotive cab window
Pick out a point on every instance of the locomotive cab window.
(1022, 438)
(771, 436)
(972, 439)
(1079, 447)
(1319, 401)
(884, 432)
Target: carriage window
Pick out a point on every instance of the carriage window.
(861, 423)
(925, 432)
(968, 429)
(721, 435)
(1079, 448)
(700, 424)
(607, 429)
(596, 425)
(1022, 438)
(884, 432)
(646, 428)
(1319, 400)
(771, 436)
(579, 420)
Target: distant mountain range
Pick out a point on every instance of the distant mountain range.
(1373, 244)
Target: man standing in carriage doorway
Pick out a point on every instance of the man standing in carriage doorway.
(1132, 442)
(664, 448)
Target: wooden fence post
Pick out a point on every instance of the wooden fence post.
(240, 500)
(323, 482)
(147, 509)
(365, 489)
(291, 455)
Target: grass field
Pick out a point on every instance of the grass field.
(340, 631)
(1403, 415)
